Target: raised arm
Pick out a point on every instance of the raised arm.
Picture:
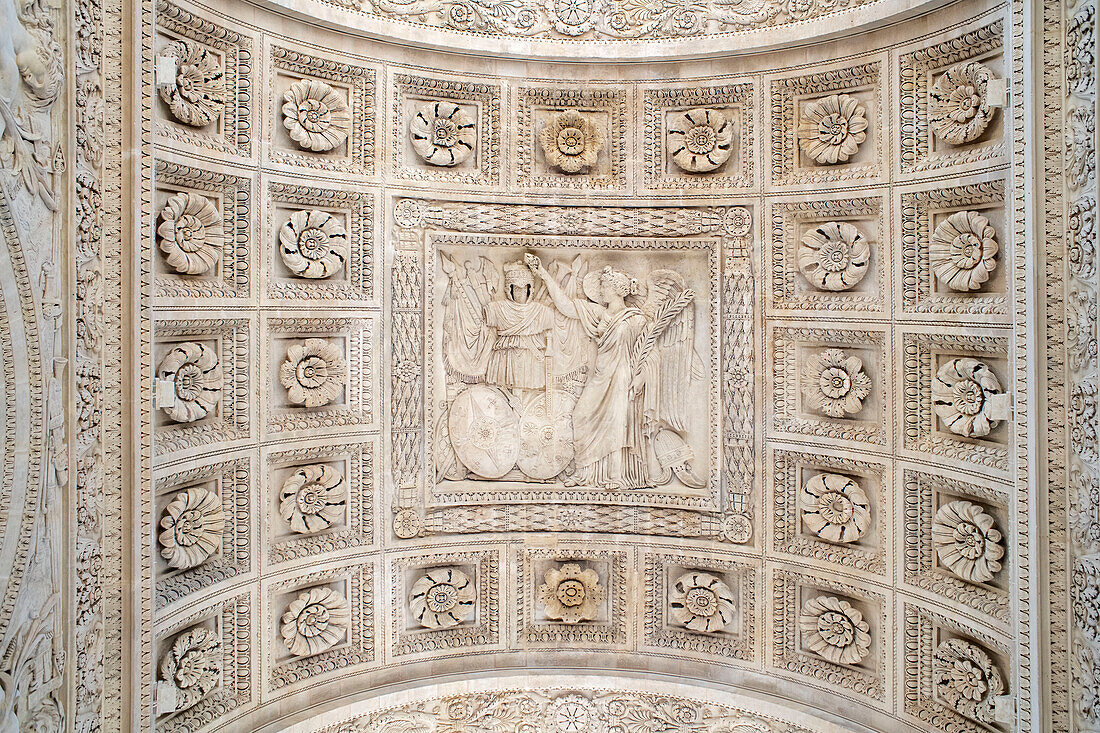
(562, 302)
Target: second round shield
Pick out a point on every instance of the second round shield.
(546, 436)
(482, 427)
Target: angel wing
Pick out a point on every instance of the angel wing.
(467, 341)
(676, 362)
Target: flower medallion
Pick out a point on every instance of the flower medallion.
(442, 133)
(571, 142)
(834, 256)
(967, 679)
(963, 395)
(191, 528)
(193, 372)
(835, 383)
(196, 94)
(313, 373)
(700, 140)
(958, 103)
(190, 233)
(313, 244)
(571, 595)
(701, 602)
(832, 128)
(315, 621)
(441, 598)
(966, 541)
(315, 115)
(191, 668)
(834, 507)
(313, 498)
(963, 250)
(834, 630)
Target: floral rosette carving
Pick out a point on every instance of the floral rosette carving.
(834, 507)
(701, 602)
(190, 234)
(313, 373)
(571, 142)
(574, 17)
(963, 250)
(834, 256)
(966, 541)
(442, 133)
(967, 679)
(958, 103)
(191, 528)
(313, 244)
(191, 668)
(834, 630)
(196, 379)
(196, 95)
(315, 621)
(832, 128)
(835, 383)
(312, 498)
(572, 713)
(700, 140)
(571, 595)
(963, 393)
(441, 598)
(315, 115)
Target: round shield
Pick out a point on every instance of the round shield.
(546, 436)
(482, 426)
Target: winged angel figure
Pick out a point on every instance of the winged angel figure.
(567, 374)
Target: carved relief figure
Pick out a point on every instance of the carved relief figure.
(566, 374)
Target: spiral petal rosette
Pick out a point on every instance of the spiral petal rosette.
(192, 666)
(315, 621)
(441, 598)
(832, 128)
(834, 256)
(834, 507)
(700, 140)
(191, 528)
(958, 103)
(313, 498)
(701, 602)
(190, 233)
(196, 95)
(442, 133)
(571, 142)
(966, 678)
(313, 373)
(571, 595)
(961, 396)
(834, 630)
(966, 541)
(963, 250)
(315, 115)
(196, 380)
(835, 383)
(313, 244)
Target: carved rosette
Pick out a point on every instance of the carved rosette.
(571, 142)
(191, 528)
(571, 595)
(834, 256)
(196, 95)
(958, 103)
(312, 499)
(963, 251)
(966, 541)
(832, 128)
(835, 383)
(315, 115)
(963, 395)
(574, 17)
(701, 602)
(313, 373)
(190, 670)
(967, 679)
(834, 630)
(700, 140)
(441, 598)
(834, 507)
(572, 713)
(442, 133)
(315, 621)
(196, 378)
(190, 233)
(313, 244)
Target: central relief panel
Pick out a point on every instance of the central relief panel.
(570, 369)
